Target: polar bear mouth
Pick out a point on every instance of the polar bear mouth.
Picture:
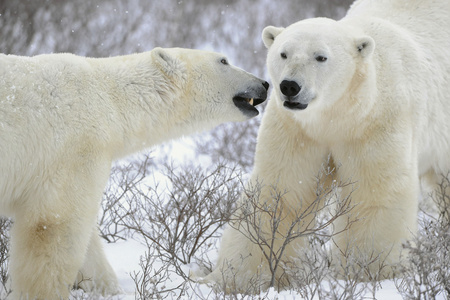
(294, 105)
(247, 105)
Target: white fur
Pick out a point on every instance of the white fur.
(379, 105)
(64, 119)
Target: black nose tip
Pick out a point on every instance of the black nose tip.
(266, 85)
(289, 88)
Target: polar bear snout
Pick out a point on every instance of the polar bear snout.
(266, 85)
(290, 88)
(248, 99)
(291, 91)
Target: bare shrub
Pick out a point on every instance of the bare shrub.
(178, 218)
(122, 189)
(151, 282)
(426, 274)
(314, 275)
(5, 225)
(183, 219)
(231, 142)
(287, 224)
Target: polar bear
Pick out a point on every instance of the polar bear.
(372, 91)
(64, 119)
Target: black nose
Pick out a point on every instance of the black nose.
(266, 85)
(289, 88)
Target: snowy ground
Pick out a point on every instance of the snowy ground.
(124, 257)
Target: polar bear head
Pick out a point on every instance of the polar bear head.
(208, 86)
(312, 63)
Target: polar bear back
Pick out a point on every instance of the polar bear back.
(42, 111)
(422, 52)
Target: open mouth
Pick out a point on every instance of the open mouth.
(247, 105)
(294, 105)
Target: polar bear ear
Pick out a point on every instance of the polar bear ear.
(365, 46)
(164, 59)
(269, 34)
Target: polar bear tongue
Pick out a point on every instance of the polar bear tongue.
(294, 105)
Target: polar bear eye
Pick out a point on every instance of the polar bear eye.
(224, 61)
(321, 58)
(283, 55)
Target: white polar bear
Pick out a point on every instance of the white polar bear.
(64, 119)
(372, 90)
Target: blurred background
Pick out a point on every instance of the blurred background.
(117, 27)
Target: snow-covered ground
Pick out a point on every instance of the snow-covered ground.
(124, 257)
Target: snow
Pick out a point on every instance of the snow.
(124, 257)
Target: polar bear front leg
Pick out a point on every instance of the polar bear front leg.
(46, 255)
(97, 274)
(52, 229)
(385, 202)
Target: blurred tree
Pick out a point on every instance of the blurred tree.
(112, 27)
